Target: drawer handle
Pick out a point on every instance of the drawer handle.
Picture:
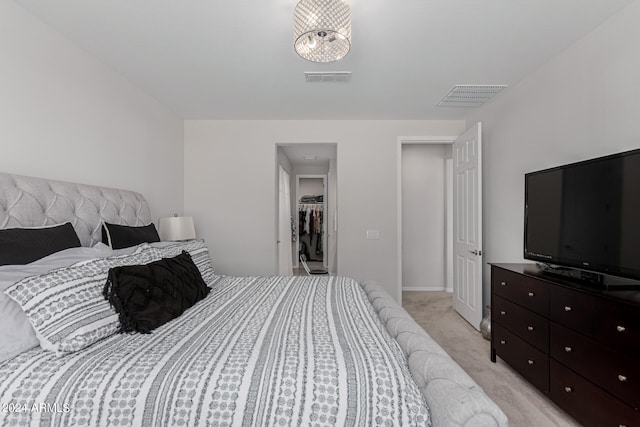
(568, 349)
(503, 342)
(502, 312)
(567, 308)
(622, 378)
(529, 328)
(620, 328)
(531, 294)
(568, 389)
(530, 362)
(503, 283)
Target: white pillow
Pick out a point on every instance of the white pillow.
(61, 297)
(66, 306)
(16, 333)
(197, 249)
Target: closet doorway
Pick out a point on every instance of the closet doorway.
(311, 221)
(425, 212)
(311, 192)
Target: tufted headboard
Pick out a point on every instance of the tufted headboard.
(35, 202)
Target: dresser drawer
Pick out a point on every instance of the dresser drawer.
(618, 325)
(587, 403)
(573, 309)
(615, 372)
(528, 325)
(530, 362)
(525, 291)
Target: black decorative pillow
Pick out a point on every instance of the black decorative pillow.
(123, 236)
(147, 296)
(24, 245)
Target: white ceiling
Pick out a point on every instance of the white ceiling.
(298, 153)
(234, 59)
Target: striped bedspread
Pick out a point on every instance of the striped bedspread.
(279, 351)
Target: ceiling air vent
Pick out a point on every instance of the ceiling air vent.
(470, 95)
(329, 76)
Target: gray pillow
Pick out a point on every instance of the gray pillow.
(66, 307)
(17, 334)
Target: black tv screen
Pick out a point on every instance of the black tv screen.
(586, 215)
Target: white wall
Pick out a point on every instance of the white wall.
(310, 187)
(229, 188)
(423, 217)
(585, 103)
(310, 170)
(284, 161)
(330, 214)
(64, 115)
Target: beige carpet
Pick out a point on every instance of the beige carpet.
(523, 404)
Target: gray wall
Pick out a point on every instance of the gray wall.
(331, 213)
(310, 187)
(583, 104)
(424, 219)
(231, 171)
(66, 116)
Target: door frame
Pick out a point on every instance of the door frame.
(331, 201)
(279, 215)
(402, 140)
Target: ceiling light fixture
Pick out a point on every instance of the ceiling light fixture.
(322, 30)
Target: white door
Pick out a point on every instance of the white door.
(467, 225)
(285, 267)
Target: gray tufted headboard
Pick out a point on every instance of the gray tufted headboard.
(35, 202)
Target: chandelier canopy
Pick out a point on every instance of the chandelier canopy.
(322, 30)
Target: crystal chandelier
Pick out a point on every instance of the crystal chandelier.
(322, 30)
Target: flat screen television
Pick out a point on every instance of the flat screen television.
(586, 215)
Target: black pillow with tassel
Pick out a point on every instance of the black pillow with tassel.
(149, 295)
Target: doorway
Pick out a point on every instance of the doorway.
(311, 192)
(425, 214)
(313, 171)
(426, 194)
(462, 225)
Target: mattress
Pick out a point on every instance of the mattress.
(256, 351)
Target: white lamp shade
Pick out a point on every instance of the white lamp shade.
(176, 228)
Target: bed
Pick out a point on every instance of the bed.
(265, 350)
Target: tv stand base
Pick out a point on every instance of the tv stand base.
(589, 278)
(579, 344)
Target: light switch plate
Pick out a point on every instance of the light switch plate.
(373, 235)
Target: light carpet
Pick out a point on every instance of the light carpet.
(523, 404)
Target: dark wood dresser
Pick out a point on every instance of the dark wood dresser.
(578, 344)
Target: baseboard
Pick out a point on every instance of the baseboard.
(425, 288)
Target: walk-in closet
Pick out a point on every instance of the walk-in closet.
(307, 208)
(311, 218)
